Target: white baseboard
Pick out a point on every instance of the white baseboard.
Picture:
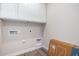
(23, 51)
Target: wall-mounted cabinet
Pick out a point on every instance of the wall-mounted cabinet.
(33, 12)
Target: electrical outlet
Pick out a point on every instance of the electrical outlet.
(23, 41)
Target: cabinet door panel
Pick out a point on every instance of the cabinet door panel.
(59, 49)
(32, 12)
(9, 10)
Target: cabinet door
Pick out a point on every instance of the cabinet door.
(9, 10)
(58, 48)
(32, 12)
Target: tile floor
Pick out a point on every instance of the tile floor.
(37, 52)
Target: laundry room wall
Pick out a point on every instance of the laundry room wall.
(62, 23)
(0, 35)
(19, 36)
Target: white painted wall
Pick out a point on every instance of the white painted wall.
(0, 36)
(12, 44)
(62, 23)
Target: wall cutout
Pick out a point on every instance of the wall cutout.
(13, 32)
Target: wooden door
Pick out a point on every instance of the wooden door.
(58, 48)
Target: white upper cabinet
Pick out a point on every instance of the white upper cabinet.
(34, 12)
(9, 10)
